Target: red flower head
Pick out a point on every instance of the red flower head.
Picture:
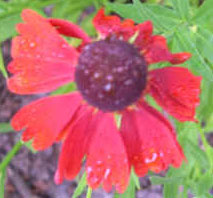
(112, 77)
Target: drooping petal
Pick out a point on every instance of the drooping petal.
(107, 158)
(45, 118)
(177, 90)
(155, 48)
(69, 29)
(112, 25)
(75, 145)
(150, 140)
(36, 52)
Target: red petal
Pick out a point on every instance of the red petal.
(69, 29)
(75, 146)
(107, 159)
(179, 58)
(177, 90)
(157, 50)
(40, 46)
(44, 119)
(108, 25)
(150, 140)
(145, 32)
(38, 76)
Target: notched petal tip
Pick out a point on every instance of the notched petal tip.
(38, 52)
(177, 90)
(152, 146)
(107, 161)
(33, 120)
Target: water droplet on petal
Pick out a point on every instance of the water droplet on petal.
(32, 44)
(107, 172)
(154, 157)
(108, 87)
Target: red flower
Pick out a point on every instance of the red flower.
(112, 77)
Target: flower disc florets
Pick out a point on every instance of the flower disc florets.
(111, 74)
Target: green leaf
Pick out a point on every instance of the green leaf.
(205, 113)
(136, 180)
(205, 39)
(163, 18)
(131, 189)
(157, 180)
(65, 89)
(204, 11)
(2, 182)
(193, 152)
(81, 186)
(7, 25)
(182, 8)
(204, 184)
(2, 68)
(89, 193)
(186, 41)
(5, 127)
(170, 190)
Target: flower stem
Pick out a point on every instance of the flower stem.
(2, 181)
(10, 155)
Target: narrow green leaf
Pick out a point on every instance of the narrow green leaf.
(170, 190)
(182, 8)
(157, 180)
(5, 128)
(2, 182)
(7, 25)
(2, 68)
(205, 39)
(65, 89)
(186, 41)
(163, 18)
(130, 191)
(204, 184)
(89, 193)
(81, 186)
(204, 11)
(193, 152)
(136, 180)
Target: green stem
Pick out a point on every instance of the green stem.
(2, 68)
(2, 182)
(89, 193)
(10, 155)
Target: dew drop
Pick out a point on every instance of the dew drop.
(108, 87)
(109, 78)
(128, 82)
(154, 157)
(89, 170)
(107, 172)
(32, 45)
(99, 162)
(97, 75)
